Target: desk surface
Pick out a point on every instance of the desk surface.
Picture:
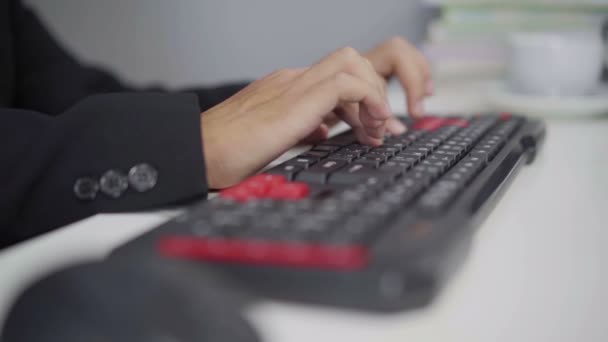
(534, 273)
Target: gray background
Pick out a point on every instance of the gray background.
(183, 42)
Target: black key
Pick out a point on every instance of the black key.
(442, 165)
(450, 153)
(355, 173)
(315, 154)
(415, 135)
(458, 176)
(474, 167)
(341, 140)
(406, 159)
(432, 171)
(462, 139)
(439, 158)
(326, 148)
(321, 171)
(401, 140)
(430, 145)
(374, 160)
(439, 196)
(347, 157)
(395, 167)
(287, 170)
(358, 148)
(508, 128)
(482, 154)
(399, 146)
(476, 159)
(390, 151)
(465, 171)
(420, 149)
(421, 178)
(306, 162)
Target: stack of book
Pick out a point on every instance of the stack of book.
(469, 37)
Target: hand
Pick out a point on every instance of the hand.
(397, 57)
(247, 131)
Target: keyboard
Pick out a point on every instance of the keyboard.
(350, 225)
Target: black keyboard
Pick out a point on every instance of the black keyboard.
(344, 224)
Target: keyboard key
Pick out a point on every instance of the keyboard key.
(355, 173)
(429, 123)
(294, 254)
(358, 148)
(261, 184)
(238, 194)
(321, 171)
(398, 145)
(386, 150)
(481, 154)
(305, 162)
(318, 155)
(424, 151)
(341, 140)
(393, 165)
(289, 191)
(372, 159)
(439, 196)
(347, 157)
(326, 148)
(287, 170)
(457, 122)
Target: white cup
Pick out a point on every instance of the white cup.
(555, 63)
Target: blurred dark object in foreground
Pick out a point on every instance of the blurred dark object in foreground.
(144, 301)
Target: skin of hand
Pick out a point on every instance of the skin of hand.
(395, 57)
(244, 133)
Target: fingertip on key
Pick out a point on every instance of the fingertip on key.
(396, 127)
(419, 109)
(430, 88)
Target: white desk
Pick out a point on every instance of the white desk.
(534, 274)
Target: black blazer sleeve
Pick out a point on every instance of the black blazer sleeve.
(76, 121)
(42, 157)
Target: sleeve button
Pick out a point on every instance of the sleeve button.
(86, 188)
(143, 177)
(113, 183)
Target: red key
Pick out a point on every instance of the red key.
(261, 184)
(238, 194)
(505, 116)
(430, 123)
(265, 253)
(253, 188)
(289, 191)
(456, 122)
(273, 180)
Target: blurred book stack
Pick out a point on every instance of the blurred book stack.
(469, 36)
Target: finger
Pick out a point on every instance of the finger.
(331, 120)
(398, 57)
(346, 60)
(381, 82)
(319, 135)
(349, 112)
(412, 81)
(395, 127)
(324, 97)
